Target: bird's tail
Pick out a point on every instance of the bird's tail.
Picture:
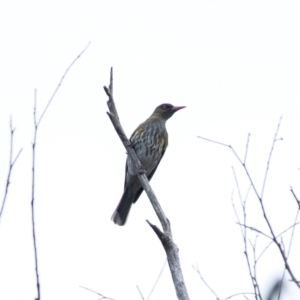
(121, 213)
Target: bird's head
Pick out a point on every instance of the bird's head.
(165, 111)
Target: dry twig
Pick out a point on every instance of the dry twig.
(204, 281)
(260, 196)
(11, 165)
(215, 294)
(297, 200)
(155, 283)
(102, 296)
(140, 292)
(244, 232)
(37, 122)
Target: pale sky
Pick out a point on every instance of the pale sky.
(234, 64)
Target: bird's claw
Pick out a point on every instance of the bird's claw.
(141, 170)
(128, 144)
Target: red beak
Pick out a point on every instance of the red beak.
(175, 108)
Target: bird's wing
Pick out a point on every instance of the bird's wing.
(153, 171)
(126, 181)
(137, 195)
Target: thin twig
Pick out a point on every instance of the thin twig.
(238, 294)
(155, 283)
(292, 235)
(11, 165)
(255, 229)
(284, 231)
(217, 297)
(114, 117)
(297, 200)
(103, 297)
(254, 267)
(287, 229)
(247, 147)
(288, 252)
(244, 232)
(259, 197)
(32, 200)
(236, 214)
(61, 81)
(238, 187)
(140, 292)
(269, 160)
(204, 281)
(37, 122)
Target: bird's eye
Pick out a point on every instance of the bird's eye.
(164, 106)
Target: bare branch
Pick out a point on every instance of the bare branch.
(255, 229)
(254, 268)
(204, 281)
(270, 156)
(252, 276)
(32, 201)
(297, 200)
(260, 199)
(244, 234)
(140, 292)
(238, 187)
(238, 294)
(236, 214)
(11, 165)
(36, 126)
(217, 297)
(284, 231)
(159, 275)
(102, 296)
(287, 229)
(247, 146)
(60, 82)
(288, 252)
(166, 236)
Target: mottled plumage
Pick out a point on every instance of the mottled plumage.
(149, 141)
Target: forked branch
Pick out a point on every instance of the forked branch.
(12, 162)
(170, 247)
(260, 197)
(36, 123)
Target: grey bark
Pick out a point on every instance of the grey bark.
(165, 236)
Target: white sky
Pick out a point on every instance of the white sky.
(234, 64)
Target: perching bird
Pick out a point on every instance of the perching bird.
(149, 141)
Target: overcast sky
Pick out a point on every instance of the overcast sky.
(234, 64)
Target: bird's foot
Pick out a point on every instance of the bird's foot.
(127, 143)
(141, 170)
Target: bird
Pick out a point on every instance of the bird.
(149, 141)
